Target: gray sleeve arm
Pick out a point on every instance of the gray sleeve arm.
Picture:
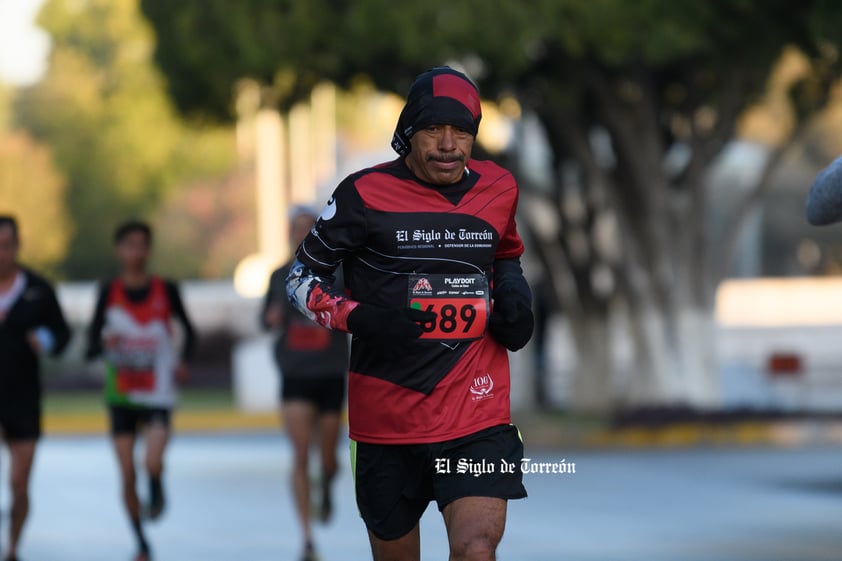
(824, 202)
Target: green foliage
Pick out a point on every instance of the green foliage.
(292, 45)
(205, 46)
(103, 110)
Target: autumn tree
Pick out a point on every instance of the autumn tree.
(33, 190)
(103, 111)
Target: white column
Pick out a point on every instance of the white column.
(302, 187)
(247, 104)
(272, 230)
(323, 101)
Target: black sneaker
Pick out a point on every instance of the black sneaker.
(326, 511)
(157, 502)
(326, 507)
(309, 553)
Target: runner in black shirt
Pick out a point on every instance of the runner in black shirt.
(313, 362)
(31, 324)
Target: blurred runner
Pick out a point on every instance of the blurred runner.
(132, 329)
(427, 243)
(313, 362)
(31, 325)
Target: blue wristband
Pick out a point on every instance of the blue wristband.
(45, 339)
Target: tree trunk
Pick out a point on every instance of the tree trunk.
(697, 350)
(672, 329)
(653, 378)
(672, 368)
(593, 384)
(589, 316)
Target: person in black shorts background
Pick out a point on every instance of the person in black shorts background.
(132, 331)
(31, 324)
(313, 362)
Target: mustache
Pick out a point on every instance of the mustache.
(446, 158)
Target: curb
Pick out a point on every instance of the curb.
(556, 433)
(212, 420)
(538, 432)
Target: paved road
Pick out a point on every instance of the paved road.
(230, 503)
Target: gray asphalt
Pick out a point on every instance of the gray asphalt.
(229, 501)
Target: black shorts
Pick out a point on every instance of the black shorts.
(130, 419)
(20, 423)
(396, 482)
(327, 394)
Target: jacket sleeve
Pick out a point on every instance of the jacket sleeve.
(508, 277)
(56, 323)
(179, 312)
(94, 334)
(824, 202)
(338, 233)
(511, 246)
(276, 293)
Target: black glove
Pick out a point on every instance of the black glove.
(511, 321)
(394, 331)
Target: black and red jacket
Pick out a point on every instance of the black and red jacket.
(384, 225)
(37, 306)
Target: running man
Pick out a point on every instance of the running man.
(313, 362)
(31, 325)
(431, 256)
(132, 329)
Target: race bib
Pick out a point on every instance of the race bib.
(134, 381)
(135, 362)
(460, 302)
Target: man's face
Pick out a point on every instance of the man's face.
(8, 249)
(133, 251)
(439, 154)
(299, 228)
